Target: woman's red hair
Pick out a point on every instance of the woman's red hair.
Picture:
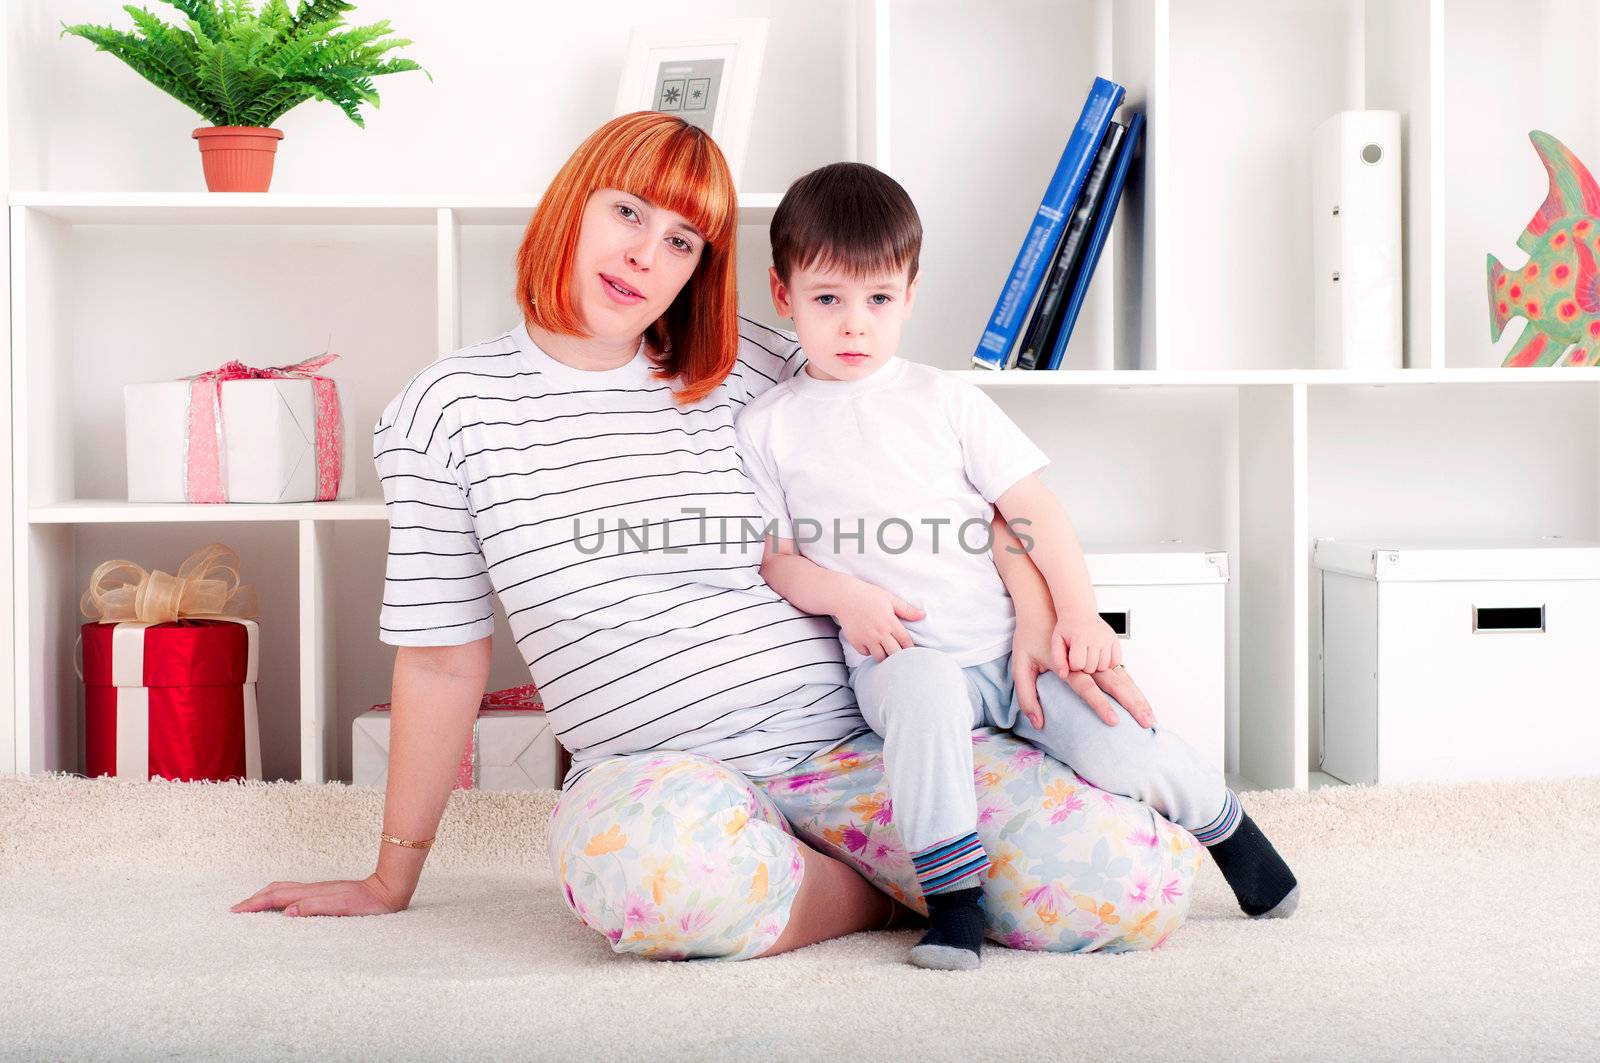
(676, 166)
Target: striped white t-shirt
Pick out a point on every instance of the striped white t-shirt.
(576, 497)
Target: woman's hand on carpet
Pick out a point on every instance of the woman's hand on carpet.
(369, 896)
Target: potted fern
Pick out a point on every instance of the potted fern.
(240, 71)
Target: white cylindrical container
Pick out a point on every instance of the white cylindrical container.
(1356, 250)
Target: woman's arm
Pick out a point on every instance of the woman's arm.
(1032, 653)
(1082, 641)
(1036, 617)
(437, 691)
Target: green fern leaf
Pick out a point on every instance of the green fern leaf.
(219, 75)
(203, 14)
(132, 51)
(339, 93)
(174, 49)
(312, 12)
(275, 102)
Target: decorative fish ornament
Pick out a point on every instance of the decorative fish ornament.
(1558, 291)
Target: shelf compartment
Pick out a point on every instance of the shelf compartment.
(1502, 81)
(53, 563)
(1004, 135)
(1250, 80)
(94, 309)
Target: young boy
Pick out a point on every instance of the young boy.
(887, 473)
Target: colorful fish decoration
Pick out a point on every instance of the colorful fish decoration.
(1558, 291)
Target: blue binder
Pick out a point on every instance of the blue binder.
(994, 349)
(1097, 239)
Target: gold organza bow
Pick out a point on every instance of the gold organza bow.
(207, 584)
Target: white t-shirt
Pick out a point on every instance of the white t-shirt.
(499, 465)
(912, 459)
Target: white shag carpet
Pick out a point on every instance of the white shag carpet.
(1436, 922)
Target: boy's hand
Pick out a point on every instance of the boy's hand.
(1082, 642)
(869, 619)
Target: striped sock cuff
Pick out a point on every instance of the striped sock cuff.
(1227, 821)
(950, 865)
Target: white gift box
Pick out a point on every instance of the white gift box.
(1168, 606)
(1454, 662)
(510, 750)
(269, 441)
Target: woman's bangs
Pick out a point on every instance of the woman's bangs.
(677, 174)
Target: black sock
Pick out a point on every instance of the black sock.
(1254, 870)
(955, 929)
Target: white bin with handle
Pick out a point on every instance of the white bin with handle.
(1168, 605)
(1462, 661)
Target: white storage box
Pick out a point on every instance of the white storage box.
(1169, 606)
(508, 750)
(1459, 661)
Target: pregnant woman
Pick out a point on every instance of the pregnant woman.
(725, 798)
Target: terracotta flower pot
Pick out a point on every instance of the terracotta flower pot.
(238, 158)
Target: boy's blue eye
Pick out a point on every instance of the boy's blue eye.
(886, 299)
(820, 298)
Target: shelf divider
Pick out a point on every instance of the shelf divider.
(449, 315)
(1274, 549)
(319, 744)
(872, 84)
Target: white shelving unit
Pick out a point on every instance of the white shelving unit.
(1188, 412)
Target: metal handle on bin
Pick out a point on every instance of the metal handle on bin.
(1508, 618)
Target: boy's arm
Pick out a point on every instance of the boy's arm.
(1030, 595)
(868, 616)
(802, 582)
(1084, 642)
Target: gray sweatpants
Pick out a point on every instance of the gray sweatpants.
(925, 707)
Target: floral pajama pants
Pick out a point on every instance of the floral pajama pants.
(675, 856)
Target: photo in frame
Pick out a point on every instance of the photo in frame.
(704, 72)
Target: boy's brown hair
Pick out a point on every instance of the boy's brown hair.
(847, 216)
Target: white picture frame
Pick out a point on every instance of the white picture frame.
(705, 72)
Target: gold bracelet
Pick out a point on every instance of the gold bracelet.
(391, 839)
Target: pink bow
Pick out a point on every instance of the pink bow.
(203, 481)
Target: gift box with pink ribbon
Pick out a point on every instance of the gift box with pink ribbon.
(236, 434)
(169, 671)
(511, 746)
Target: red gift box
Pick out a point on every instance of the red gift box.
(175, 700)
